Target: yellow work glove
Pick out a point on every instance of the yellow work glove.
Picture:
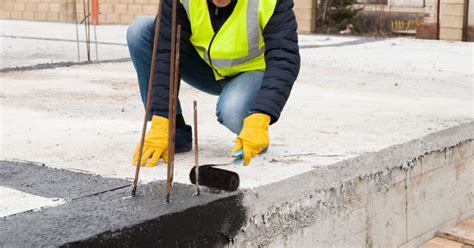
(156, 143)
(253, 137)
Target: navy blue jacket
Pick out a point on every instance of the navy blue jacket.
(281, 56)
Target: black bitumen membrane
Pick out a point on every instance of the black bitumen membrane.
(37, 179)
(97, 217)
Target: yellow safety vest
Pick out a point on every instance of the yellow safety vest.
(238, 46)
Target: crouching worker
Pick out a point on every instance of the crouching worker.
(244, 51)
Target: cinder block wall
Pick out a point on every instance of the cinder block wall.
(452, 19)
(116, 11)
(123, 11)
(110, 11)
(35, 10)
(305, 11)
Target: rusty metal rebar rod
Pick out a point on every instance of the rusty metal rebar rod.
(96, 46)
(196, 147)
(173, 102)
(438, 9)
(84, 6)
(148, 97)
(88, 32)
(77, 31)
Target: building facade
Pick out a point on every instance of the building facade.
(114, 11)
(456, 18)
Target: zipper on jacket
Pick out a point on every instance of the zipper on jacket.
(209, 54)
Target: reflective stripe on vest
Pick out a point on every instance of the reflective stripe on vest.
(252, 39)
(254, 26)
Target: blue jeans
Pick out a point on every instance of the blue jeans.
(236, 94)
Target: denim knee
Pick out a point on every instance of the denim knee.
(136, 31)
(237, 98)
(231, 114)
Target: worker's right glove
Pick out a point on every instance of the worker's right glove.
(253, 137)
(156, 143)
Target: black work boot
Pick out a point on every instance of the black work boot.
(184, 139)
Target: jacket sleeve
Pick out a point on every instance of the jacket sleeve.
(161, 84)
(282, 60)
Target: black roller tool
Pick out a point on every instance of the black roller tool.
(215, 178)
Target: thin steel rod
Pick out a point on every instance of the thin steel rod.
(96, 47)
(88, 32)
(196, 147)
(85, 27)
(148, 96)
(172, 113)
(438, 9)
(77, 31)
(171, 116)
(176, 79)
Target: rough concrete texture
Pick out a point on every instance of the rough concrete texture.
(399, 196)
(326, 169)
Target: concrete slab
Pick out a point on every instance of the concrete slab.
(344, 204)
(27, 43)
(328, 162)
(89, 117)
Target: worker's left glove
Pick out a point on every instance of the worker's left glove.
(156, 143)
(253, 137)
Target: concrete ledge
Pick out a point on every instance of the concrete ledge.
(399, 196)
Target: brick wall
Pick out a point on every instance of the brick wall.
(426, 31)
(115, 11)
